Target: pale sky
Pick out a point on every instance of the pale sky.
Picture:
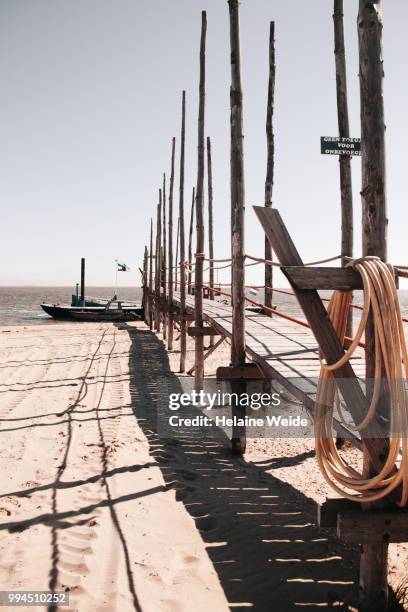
(90, 99)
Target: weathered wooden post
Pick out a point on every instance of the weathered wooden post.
(237, 223)
(158, 263)
(344, 132)
(151, 276)
(177, 256)
(164, 259)
(210, 221)
(144, 286)
(210, 224)
(374, 557)
(190, 245)
(82, 294)
(199, 256)
(270, 164)
(170, 257)
(156, 274)
(183, 329)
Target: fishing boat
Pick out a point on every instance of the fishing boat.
(94, 313)
(93, 309)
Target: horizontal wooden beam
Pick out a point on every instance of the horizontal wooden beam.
(249, 371)
(328, 511)
(186, 317)
(169, 309)
(361, 527)
(342, 279)
(202, 331)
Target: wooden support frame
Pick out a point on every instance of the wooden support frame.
(324, 332)
(209, 352)
(373, 560)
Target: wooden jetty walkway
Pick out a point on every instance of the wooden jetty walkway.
(278, 347)
(284, 350)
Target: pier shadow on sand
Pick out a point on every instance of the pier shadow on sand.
(259, 532)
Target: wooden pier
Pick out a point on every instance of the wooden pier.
(284, 351)
(287, 350)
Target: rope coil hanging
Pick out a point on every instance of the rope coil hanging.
(381, 299)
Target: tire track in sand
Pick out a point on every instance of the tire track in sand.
(78, 549)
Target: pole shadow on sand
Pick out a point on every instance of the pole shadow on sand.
(259, 532)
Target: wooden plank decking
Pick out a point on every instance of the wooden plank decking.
(285, 350)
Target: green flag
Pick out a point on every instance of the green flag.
(122, 267)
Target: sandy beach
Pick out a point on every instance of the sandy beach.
(95, 503)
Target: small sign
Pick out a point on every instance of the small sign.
(333, 145)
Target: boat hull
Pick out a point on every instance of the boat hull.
(96, 313)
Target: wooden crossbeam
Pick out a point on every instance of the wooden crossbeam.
(187, 317)
(209, 352)
(372, 527)
(195, 331)
(345, 279)
(168, 308)
(341, 279)
(249, 371)
(356, 526)
(325, 334)
(328, 511)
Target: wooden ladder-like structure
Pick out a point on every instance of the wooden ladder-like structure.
(353, 525)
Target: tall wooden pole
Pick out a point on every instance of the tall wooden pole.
(170, 257)
(151, 276)
(190, 245)
(82, 296)
(158, 262)
(199, 259)
(270, 164)
(145, 305)
(210, 223)
(177, 255)
(210, 219)
(156, 273)
(344, 131)
(237, 222)
(183, 329)
(374, 557)
(164, 258)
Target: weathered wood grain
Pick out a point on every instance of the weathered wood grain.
(199, 261)
(270, 163)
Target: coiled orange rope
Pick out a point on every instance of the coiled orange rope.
(381, 298)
